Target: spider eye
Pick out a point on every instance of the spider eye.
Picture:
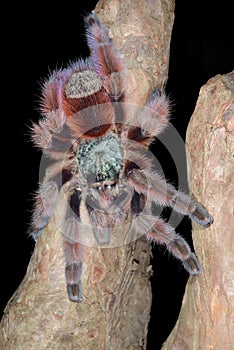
(100, 177)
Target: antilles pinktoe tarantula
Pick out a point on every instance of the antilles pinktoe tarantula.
(97, 153)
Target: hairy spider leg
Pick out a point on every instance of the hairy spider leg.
(107, 63)
(163, 233)
(164, 194)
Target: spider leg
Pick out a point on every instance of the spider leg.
(105, 58)
(44, 204)
(107, 63)
(53, 135)
(45, 200)
(47, 195)
(150, 120)
(163, 233)
(160, 192)
(74, 251)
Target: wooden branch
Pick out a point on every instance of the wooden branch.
(115, 310)
(206, 317)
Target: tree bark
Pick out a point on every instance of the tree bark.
(115, 310)
(206, 317)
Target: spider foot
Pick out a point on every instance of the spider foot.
(73, 273)
(201, 216)
(74, 292)
(191, 264)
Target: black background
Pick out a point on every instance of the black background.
(35, 41)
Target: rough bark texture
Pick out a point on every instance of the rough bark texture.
(206, 318)
(115, 311)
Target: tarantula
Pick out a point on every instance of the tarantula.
(97, 152)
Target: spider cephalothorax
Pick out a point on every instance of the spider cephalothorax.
(101, 158)
(98, 153)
